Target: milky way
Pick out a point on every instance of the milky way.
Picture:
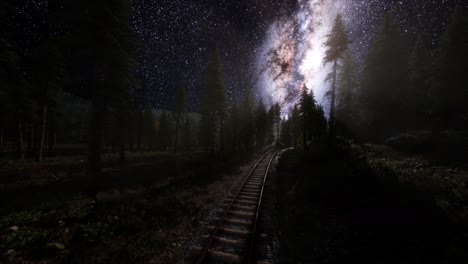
(273, 47)
(293, 51)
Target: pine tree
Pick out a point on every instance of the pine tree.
(234, 127)
(295, 124)
(48, 78)
(384, 85)
(179, 112)
(418, 94)
(15, 98)
(164, 135)
(306, 114)
(270, 135)
(320, 122)
(148, 127)
(346, 98)
(276, 110)
(261, 122)
(213, 108)
(448, 83)
(101, 50)
(336, 44)
(187, 134)
(286, 132)
(247, 119)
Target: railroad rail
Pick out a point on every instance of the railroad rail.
(232, 238)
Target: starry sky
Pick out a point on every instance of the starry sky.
(273, 47)
(253, 36)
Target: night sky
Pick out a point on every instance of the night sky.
(272, 46)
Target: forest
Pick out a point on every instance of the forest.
(92, 173)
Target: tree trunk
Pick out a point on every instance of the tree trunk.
(304, 133)
(295, 138)
(95, 143)
(2, 147)
(221, 135)
(176, 133)
(131, 136)
(20, 140)
(277, 131)
(30, 139)
(43, 130)
(332, 105)
(35, 140)
(121, 135)
(52, 138)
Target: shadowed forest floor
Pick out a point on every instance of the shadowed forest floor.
(147, 207)
(363, 204)
(371, 205)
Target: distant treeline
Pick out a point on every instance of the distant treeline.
(70, 82)
(401, 87)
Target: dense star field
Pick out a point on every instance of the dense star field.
(178, 38)
(272, 46)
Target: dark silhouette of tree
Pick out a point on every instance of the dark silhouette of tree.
(270, 135)
(234, 130)
(448, 81)
(164, 135)
(187, 141)
(149, 131)
(295, 124)
(276, 117)
(261, 123)
(418, 93)
(15, 90)
(179, 112)
(48, 78)
(385, 83)
(286, 132)
(213, 108)
(102, 59)
(346, 115)
(307, 106)
(247, 120)
(336, 44)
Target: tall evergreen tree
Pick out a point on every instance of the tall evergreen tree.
(286, 132)
(418, 92)
(15, 97)
(336, 44)
(385, 83)
(346, 98)
(261, 123)
(306, 113)
(148, 133)
(295, 124)
(165, 131)
(247, 119)
(179, 112)
(234, 126)
(187, 134)
(213, 108)
(276, 113)
(102, 48)
(320, 122)
(48, 78)
(448, 82)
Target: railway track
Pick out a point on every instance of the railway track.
(233, 237)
